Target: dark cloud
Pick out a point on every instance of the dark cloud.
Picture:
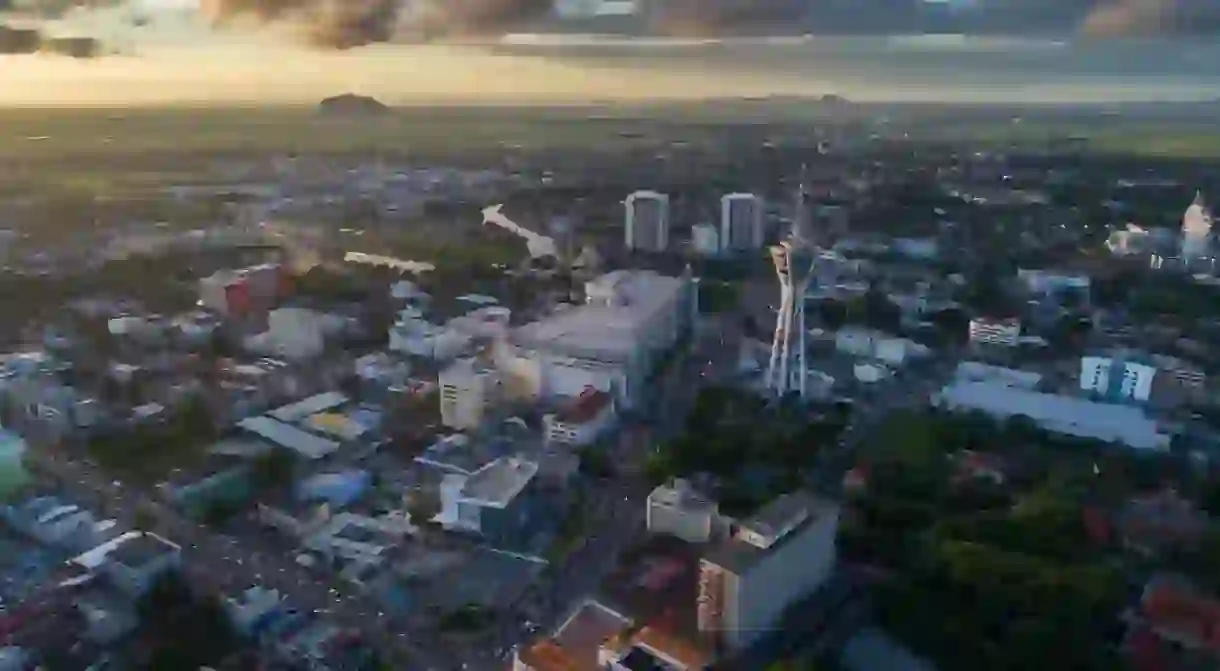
(348, 23)
(344, 24)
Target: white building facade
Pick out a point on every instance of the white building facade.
(1002, 332)
(647, 221)
(1115, 379)
(676, 509)
(469, 390)
(741, 222)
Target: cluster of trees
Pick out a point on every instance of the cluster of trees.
(183, 629)
(988, 575)
(146, 453)
(873, 309)
(469, 618)
(754, 448)
(717, 296)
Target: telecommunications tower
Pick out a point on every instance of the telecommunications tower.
(793, 259)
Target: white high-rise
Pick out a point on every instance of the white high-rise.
(647, 221)
(1196, 229)
(741, 222)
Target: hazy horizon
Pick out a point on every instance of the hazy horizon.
(182, 62)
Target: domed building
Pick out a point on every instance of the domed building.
(1196, 229)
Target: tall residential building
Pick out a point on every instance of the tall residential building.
(468, 389)
(741, 222)
(1115, 379)
(783, 553)
(1196, 229)
(647, 221)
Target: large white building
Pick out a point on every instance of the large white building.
(1004, 332)
(612, 342)
(741, 222)
(783, 553)
(867, 343)
(1115, 379)
(647, 221)
(296, 333)
(1083, 418)
(469, 388)
(1196, 229)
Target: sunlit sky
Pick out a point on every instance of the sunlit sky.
(178, 60)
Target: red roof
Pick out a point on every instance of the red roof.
(1176, 611)
(586, 406)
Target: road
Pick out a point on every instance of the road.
(228, 566)
(616, 521)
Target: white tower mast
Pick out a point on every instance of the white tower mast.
(793, 261)
(794, 267)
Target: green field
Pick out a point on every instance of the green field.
(101, 151)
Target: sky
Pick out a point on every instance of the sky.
(182, 61)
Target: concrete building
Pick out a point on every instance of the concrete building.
(647, 221)
(675, 508)
(741, 222)
(414, 335)
(296, 333)
(705, 240)
(132, 561)
(582, 420)
(1002, 332)
(348, 537)
(870, 344)
(974, 371)
(780, 555)
(254, 608)
(613, 342)
(239, 292)
(58, 524)
(469, 389)
(1115, 379)
(1129, 241)
(1197, 230)
(1082, 418)
(499, 502)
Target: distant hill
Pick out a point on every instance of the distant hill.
(350, 104)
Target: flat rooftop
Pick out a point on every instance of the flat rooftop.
(132, 549)
(295, 412)
(1068, 415)
(464, 455)
(582, 635)
(290, 437)
(499, 482)
(775, 523)
(609, 329)
(141, 550)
